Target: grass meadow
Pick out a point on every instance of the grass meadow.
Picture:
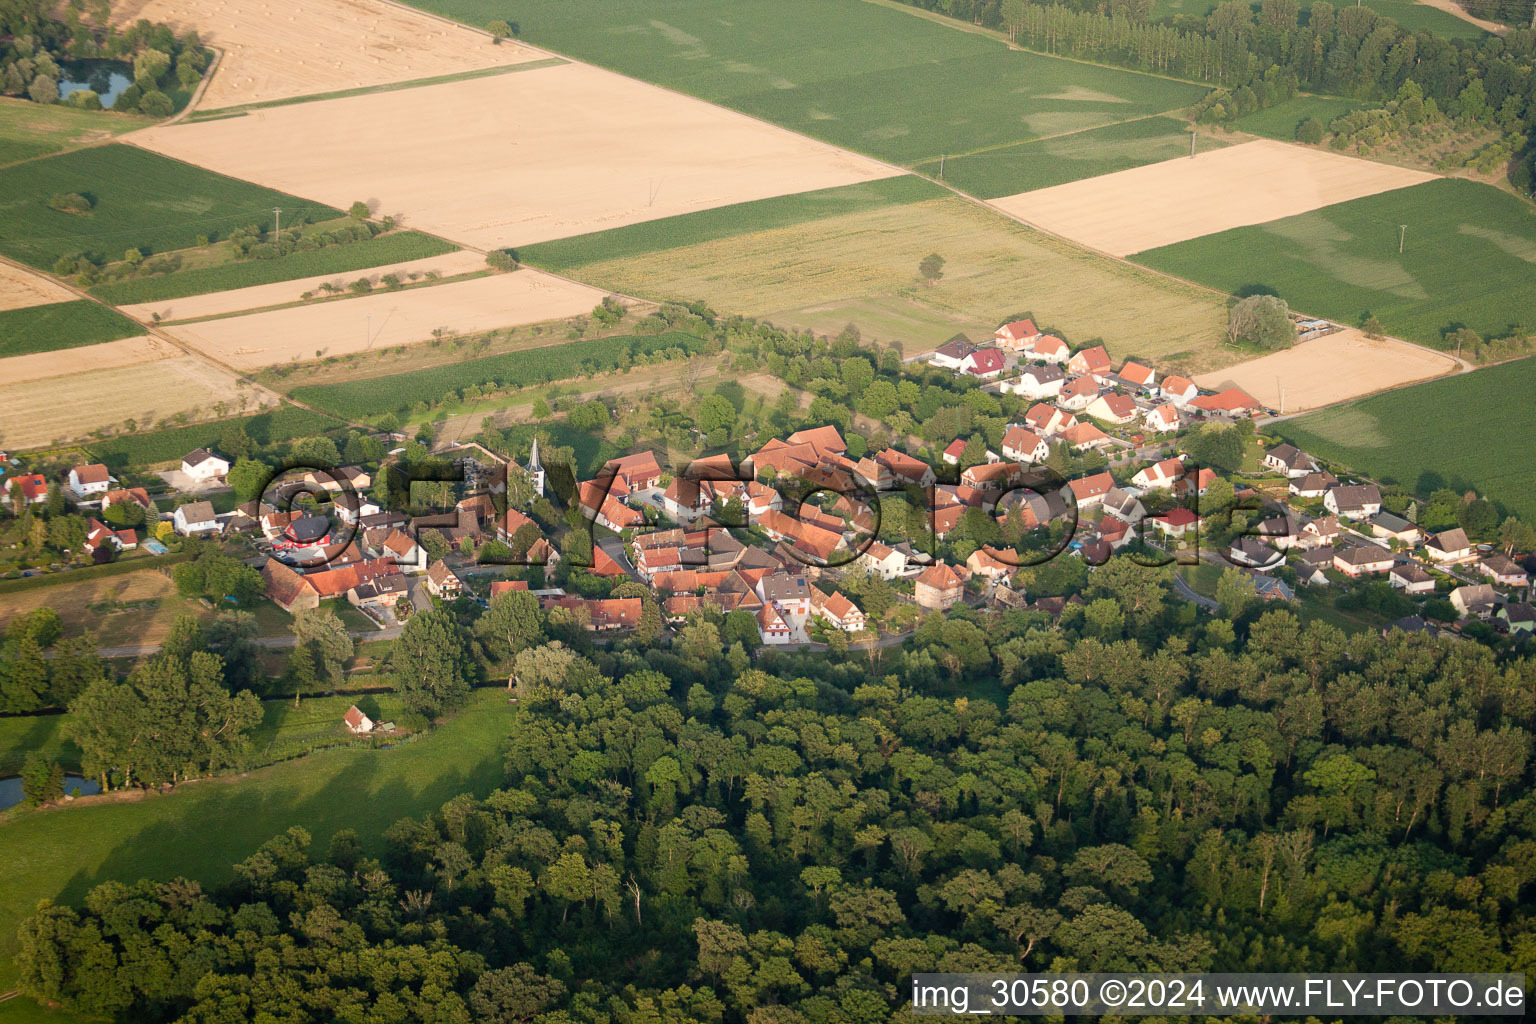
(139, 201)
(567, 254)
(1468, 260)
(862, 267)
(1281, 120)
(154, 446)
(337, 259)
(60, 325)
(1429, 436)
(1025, 166)
(868, 77)
(199, 829)
(29, 130)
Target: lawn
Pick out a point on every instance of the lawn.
(1424, 438)
(144, 449)
(29, 130)
(61, 325)
(20, 736)
(567, 254)
(868, 77)
(1026, 166)
(198, 830)
(863, 267)
(1469, 260)
(396, 392)
(336, 259)
(139, 200)
(1281, 120)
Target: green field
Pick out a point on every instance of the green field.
(29, 130)
(1469, 260)
(335, 259)
(61, 325)
(372, 396)
(279, 424)
(871, 78)
(139, 200)
(567, 254)
(1432, 435)
(1280, 121)
(1045, 162)
(200, 829)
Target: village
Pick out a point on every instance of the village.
(813, 542)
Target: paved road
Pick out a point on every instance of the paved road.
(1188, 593)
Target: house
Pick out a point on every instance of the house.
(1518, 618)
(1138, 377)
(1179, 390)
(1449, 546)
(1474, 602)
(1503, 571)
(203, 466)
(1090, 490)
(840, 612)
(1082, 436)
(1232, 403)
(357, 722)
(1047, 420)
(1092, 361)
(882, 560)
(1198, 484)
(1078, 394)
(771, 625)
(938, 587)
(131, 495)
(1282, 532)
(1038, 382)
(33, 488)
(195, 517)
(952, 355)
(993, 564)
(305, 537)
(87, 482)
(1159, 475)
(1253, 553)
(1176, 523)
(954, 451)
(1311, 566)
(1024, 445)
(1290, 460)
(351, 507)
(500, 587)
(1164, 419)
(1387, 526)
(1123, 505)
(639, 472)
(379, 592)
(1271, 588)
(443, 582)
(99, 535)
(1018, 336)
(1362, 560)
(790, 595)
(1360, 501)
(985, 363)
(1050, 349)
(1411, 579)
(1118, 409)
(686, 501)
(288, 589)
(401, 548)
(1313, 485)
(602, 614)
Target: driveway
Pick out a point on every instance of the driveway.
(613, 547)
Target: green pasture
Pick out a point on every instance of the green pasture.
(60, 325)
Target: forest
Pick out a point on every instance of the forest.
(686, 833)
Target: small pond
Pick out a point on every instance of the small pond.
(10, 789)
(106, 78)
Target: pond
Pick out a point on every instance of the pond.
(10, 789)
(106, 78)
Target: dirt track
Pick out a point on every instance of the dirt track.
(21, 288)
(1159, 204)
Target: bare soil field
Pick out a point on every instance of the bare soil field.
(278, 49)
(21, 288)
(137, 607)
(73, 405)
(112, 355)
(1172, 201)
(516, 159)
(1330, 369)
(386, 319)
(258, 296)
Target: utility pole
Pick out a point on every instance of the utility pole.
(941, 165)
(368, 337)
(277, 221)
(1402, 236)
(1192, 136)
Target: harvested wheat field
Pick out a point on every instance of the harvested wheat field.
(516, 159)
(111, 355)
(1330, 369)
(21, 288)
(138, 607)
(278, 49)
(259, 296)
(301, 333)
(1175, 200)
(68, 407)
